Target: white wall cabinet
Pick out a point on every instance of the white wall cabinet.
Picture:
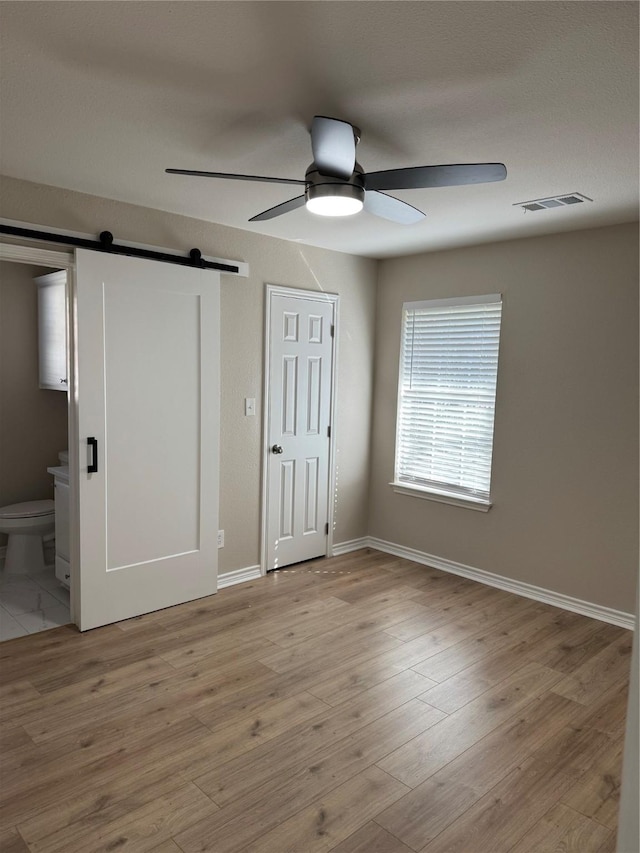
(52, 330)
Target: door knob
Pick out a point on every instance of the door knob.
(277, 449)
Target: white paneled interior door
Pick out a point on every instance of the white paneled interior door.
(299, 411)
(147, 382)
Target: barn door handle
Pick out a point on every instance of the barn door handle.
(93, 444)
(277, 449)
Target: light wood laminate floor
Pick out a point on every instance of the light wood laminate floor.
(362, 704)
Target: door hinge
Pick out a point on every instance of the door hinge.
(326, 529)
(333, 330)
(329, 432)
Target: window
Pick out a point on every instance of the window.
(446, 399)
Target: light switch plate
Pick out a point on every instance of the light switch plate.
(249, 406)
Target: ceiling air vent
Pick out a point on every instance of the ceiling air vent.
(553, 201)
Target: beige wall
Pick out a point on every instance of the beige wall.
(33, 422)
(565, 466)
(271, 261)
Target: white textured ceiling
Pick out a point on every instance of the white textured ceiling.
(100, 97)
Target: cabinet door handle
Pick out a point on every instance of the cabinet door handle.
(93, 444)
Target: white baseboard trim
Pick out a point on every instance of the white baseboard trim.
(250, 573)
(537, 593)
(351, 545)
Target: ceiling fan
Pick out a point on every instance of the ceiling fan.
(335, 184)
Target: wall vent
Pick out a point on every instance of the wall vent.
(553, 201)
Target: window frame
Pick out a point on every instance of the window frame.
(447, 493)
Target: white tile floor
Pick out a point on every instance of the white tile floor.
(31, 603)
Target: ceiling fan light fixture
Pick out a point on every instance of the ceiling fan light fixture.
(334, 205)
(335, 199)
(336, 185)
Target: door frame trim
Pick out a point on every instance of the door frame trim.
(316, 296)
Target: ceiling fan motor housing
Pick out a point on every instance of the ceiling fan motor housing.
(328, 186)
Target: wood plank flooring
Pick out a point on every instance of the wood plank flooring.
(362, 704)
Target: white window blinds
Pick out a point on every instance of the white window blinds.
(446, 395)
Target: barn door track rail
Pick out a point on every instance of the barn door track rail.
(105, 243)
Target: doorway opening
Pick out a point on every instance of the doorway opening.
(137, 545)
(35, 574)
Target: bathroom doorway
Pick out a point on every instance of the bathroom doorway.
(34, 426)
(105, 536)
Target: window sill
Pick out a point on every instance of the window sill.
(441, 497)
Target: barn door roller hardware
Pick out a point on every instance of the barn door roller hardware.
(105, 244)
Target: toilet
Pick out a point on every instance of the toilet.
(26, 523)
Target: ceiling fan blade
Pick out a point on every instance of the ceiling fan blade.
(233, 177)
(422, 177)
(334, 146)
(279, 209)
(391, 208)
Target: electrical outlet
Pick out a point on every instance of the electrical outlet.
(220, 538)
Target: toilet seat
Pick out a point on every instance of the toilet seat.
(27, 509)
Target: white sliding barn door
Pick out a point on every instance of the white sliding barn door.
(299, 412)
(147, 391)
